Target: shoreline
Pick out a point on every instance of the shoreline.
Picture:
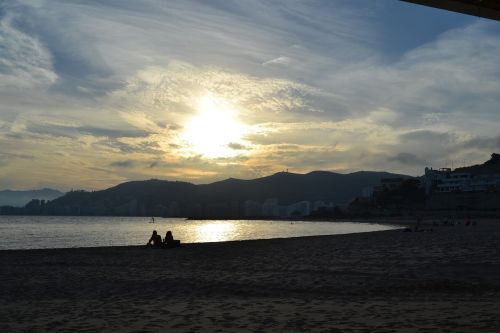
(183, 245)
(397, 224)
(402, 220)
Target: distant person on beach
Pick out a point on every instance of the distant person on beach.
(169, 240)
(155, 240)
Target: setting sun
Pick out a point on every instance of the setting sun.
(214, 128)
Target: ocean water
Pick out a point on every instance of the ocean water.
(37, 232)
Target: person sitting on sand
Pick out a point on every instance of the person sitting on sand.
(169, 240)
(155, 240)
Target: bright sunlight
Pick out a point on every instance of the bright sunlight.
(214, 232)
(214, 128)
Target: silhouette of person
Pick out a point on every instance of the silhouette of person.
(155, 240)
(169, 240)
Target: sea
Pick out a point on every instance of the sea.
(39, 232)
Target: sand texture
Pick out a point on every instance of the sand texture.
(447, 280)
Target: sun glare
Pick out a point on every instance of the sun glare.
(214, 128)
(214, 232)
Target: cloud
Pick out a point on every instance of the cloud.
(123, 164)
(430, 119)
(282, 60)
(484, 143)
(24, 61)
(7, 157)
(178, 87)
(111, 133)
(78, 67)
(236, 146)
(408, 158)
(57, 130)
(427, 137)
(86, 86)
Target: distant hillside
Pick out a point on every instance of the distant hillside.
(291, 187)
(21, 198)
(160, 197)
(491, 166)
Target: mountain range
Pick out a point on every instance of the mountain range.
(21, 198)
(227, 198)
(224, 198)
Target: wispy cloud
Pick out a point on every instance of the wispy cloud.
(282, 60)
(123, 164)
(24, 61)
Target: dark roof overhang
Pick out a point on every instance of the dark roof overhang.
(481, 8)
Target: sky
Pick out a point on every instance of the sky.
(95, 93)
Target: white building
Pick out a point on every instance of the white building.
(252, 208)
(299, 209)
(318, 204)
(432, 178)
(484, 183)
(445, 181)
(271, 208)
(454, 182)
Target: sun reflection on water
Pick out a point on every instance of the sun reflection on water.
(214, 232)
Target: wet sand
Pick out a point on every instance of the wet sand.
(447, 280)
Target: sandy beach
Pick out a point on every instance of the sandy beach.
(447, 280)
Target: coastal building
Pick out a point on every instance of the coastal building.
(283, 211)
(218, 209)
(320, 204)
(252, 208)
(271, 208)
(432, 178)
(453, 182)
(485, 183)
(445, 181)
(194, 210)
(299, 209)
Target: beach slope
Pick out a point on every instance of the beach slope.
(447, 280)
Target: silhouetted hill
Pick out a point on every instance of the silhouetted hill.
(161, 197)
(21, 198)
(291, 187)
(491, 166)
